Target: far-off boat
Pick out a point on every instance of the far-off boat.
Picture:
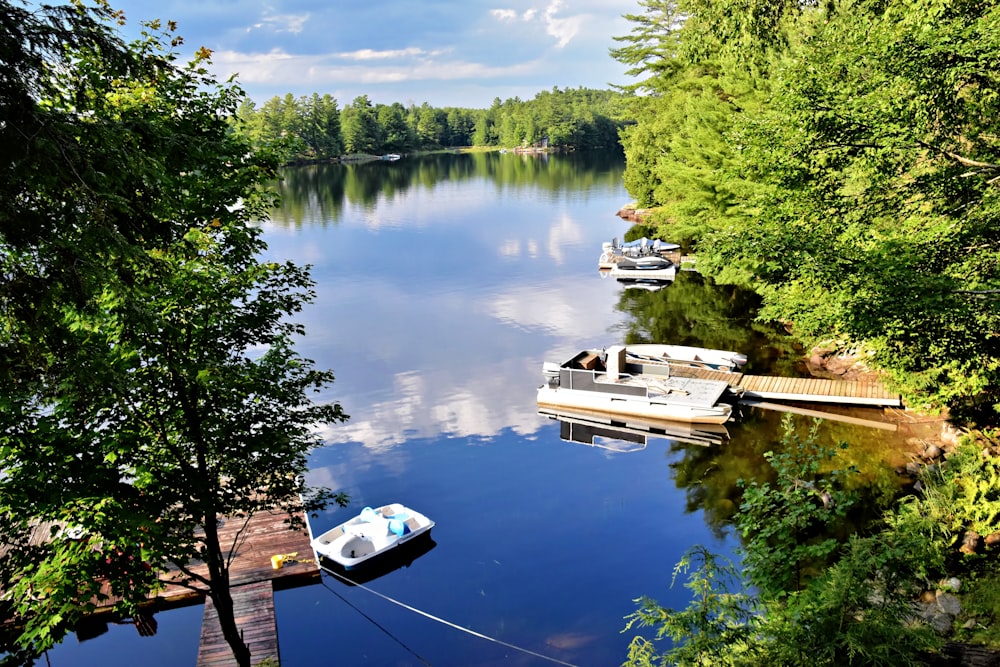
(614, 253)
(606, 381)
(638, 260)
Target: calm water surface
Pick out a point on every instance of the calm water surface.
(443, 283)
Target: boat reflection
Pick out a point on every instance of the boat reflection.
(630, 434)
(398, 558)
(648, 285)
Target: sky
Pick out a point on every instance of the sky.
(461, 53)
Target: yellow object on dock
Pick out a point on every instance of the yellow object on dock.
(278, 560)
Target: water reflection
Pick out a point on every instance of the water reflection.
(628, 434)
(319, 194)
(432, 322)
(444, 283)
(401, 557)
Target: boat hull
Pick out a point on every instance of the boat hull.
(649, 408)
(668, 273)
(722, 360)
(366, 537)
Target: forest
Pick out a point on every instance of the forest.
(315, 127)
(841, 160)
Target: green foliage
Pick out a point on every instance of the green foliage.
(310, 128)
(852, 607)
(840, 159)
(788, 525)
(717, 627)
(149, 381)
(359, 124)
(961, 494)
(981, 605)
(858, 611)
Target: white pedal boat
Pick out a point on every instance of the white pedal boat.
(370, 534)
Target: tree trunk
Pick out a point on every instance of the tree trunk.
(221, 596)
(227, 621)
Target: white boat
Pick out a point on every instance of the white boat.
(650, 252)
(701, 357)
(620, 271)
(371, 533)
(608, 382)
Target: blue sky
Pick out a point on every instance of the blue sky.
(443, 52)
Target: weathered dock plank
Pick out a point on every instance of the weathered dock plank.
(818, 390)
(253, 579)
(253, 605)
(264, 535)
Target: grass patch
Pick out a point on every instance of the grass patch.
(981, 609)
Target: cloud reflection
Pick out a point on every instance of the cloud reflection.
(457, 389)
(437, 305)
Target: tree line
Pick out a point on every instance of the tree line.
(315, 127)
(841, 160)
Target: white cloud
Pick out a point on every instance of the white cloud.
(369, 54)
(504, 15)
(562, 29)
(278, 66)
(292, 23)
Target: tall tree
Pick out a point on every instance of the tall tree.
(396, 134)
(359, 125)
(322, 120)
(149, 384)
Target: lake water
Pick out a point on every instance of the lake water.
(443, 284)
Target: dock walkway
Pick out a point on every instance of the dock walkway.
(253, 605)
(253, 580)
(809, 390)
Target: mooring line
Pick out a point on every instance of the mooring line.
(378, 625)
(443, 621)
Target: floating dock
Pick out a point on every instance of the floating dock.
(253, 579)
(807, 390)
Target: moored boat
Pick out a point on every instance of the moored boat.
(652, 252)
(371, 533)
(701, 357)
(606, 382)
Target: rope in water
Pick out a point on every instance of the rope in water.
(377, 625)
(444, 622)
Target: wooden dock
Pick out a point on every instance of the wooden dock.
(253, 580)
(808, 390)
(254, 609)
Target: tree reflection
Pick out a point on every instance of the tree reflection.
(695, 311)
(317, 194)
